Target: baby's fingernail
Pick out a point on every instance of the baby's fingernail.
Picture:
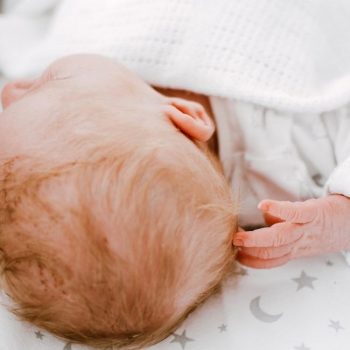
(238, 242)
(263, 206)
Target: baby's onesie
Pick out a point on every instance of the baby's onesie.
(279, 155)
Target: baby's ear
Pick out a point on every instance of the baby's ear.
(190, 117)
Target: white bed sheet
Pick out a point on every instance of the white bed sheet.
(304, 305)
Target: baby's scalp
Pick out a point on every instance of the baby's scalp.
(116, 242)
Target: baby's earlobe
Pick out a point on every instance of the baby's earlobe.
(13, 91)
(190, 117)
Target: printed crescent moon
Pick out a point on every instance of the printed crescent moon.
(260, 314)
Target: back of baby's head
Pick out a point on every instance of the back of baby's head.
(118, 247)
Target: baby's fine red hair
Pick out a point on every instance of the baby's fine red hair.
(115, 248)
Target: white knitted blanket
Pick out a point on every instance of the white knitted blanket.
(290, 55)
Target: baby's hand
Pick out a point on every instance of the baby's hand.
(313, 227)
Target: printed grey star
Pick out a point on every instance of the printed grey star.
(181, 339)
(301, 347)
(304, 281)
(241, 271)
(336, 325)
(68, 346)
(39, 335)
(329, 263)
(223, 328)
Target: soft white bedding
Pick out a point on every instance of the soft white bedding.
(303, 305)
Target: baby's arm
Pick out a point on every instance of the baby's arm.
(307, 228)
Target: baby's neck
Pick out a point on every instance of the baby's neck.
(203, 100)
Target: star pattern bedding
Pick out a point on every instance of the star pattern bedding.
(303, 305)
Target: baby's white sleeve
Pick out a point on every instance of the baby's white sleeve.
(339, 183)
(339, 180)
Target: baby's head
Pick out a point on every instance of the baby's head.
(115, 221)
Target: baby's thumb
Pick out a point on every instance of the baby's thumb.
(294, 212)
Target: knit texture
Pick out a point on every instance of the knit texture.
(291, 55)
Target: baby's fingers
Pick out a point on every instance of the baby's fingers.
(274, 236)
(295, 212)
(267, 252)
(258, 263)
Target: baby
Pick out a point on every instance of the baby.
(115, 218)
